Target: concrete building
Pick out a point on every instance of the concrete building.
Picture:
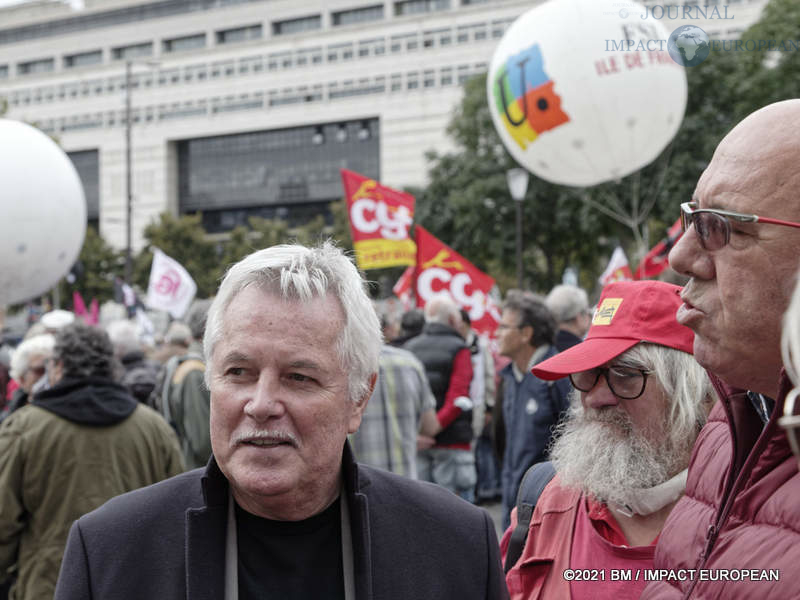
(249, 107)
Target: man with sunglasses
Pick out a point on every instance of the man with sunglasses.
(740, 250)
(621, 456)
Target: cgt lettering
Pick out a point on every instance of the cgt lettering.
(475, 303)
(369, 216)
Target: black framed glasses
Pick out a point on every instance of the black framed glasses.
(791, 422)
(713, 226)
(624, 382)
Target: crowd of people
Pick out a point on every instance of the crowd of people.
(288, 441)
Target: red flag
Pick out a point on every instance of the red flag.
(442, 270)
(618, 268)
(402, 289)
(380, 218)
(656, 261)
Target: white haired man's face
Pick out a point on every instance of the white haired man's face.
(609, 446)
(280, 404)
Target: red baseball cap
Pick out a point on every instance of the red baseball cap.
(628, 312)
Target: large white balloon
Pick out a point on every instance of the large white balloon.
(43, 212)
(583, 91)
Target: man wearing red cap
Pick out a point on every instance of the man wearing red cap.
(621, 456)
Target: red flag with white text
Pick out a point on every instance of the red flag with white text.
(380, 219)
(655, 261)
(440, 269)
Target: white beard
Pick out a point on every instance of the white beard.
(600, 453)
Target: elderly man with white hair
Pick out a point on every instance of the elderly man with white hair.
(282, 510)
(447, 359)
(28, 367)
(570, 307)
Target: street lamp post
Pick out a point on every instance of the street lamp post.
(128, 164)
(518, 185)
(128, 186)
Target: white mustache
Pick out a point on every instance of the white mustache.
(276, 437)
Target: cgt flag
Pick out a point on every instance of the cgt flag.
(617, 269)
(171, 288)
(442, 270)
(655, 261)
(380, 218)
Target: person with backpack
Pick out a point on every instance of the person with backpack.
(184, 397)
(620, 458)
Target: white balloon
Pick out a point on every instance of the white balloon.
(601, 112)
(43, 212)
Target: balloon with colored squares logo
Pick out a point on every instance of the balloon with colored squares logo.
(584, 91)
(44, 213)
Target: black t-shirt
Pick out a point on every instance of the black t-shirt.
(290, 559)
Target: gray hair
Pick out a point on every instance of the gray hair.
(790, 340)
(178, 333)
(196, 318)
(124, 335)
(566, 302)
(84, 351)
(39, 345)
(441, 309)
(685, 383)
(301, 274)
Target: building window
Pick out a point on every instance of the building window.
(297, 25)
(131, 52)
(87, 165)
(358, 15)
(412, 81)
(187, 42)
(43, 65)
(414, 7)
(3, 71)
(83, 59)
(284, 173)
(239, 34)
(446, 76)
(428, 79)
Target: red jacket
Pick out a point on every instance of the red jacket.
(538, 572)
(741, 510)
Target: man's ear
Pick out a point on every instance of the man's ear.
(360, 404)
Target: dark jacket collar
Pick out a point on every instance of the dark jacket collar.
(94, 401)
(206, 528)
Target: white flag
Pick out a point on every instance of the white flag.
(171, 288)
(617, 269)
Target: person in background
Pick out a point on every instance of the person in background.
(531, 407)
(620, 457)
(140, 374)
(450, 462)
(401, 408)
(739, 249)
(411, 324)
(282, 510)
(77, 444)
(185, 399)
(482, 391)
(177, 340)
(28, 366)
(570, 307)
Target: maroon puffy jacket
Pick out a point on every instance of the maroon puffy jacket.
(736, 531)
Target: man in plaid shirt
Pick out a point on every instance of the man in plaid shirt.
(401, 407)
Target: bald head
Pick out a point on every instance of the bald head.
(736, 294)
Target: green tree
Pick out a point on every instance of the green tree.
(468, 206)
(184, 239)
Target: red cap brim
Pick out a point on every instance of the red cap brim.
(587, 355)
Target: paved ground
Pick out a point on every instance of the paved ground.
(495, 510)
